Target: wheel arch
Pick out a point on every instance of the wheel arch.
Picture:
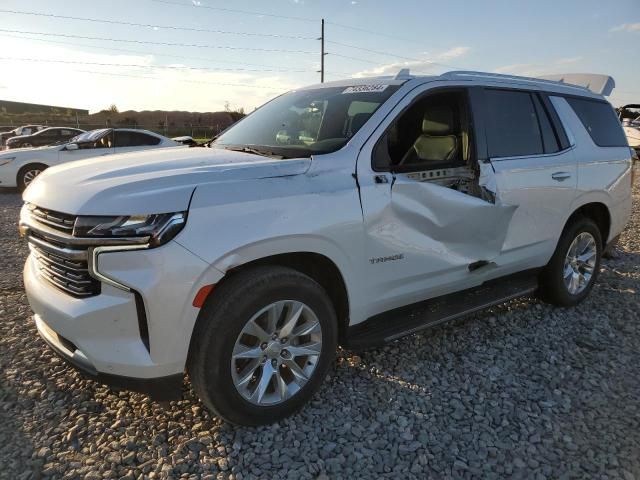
(27, 164)
(315, 265)
(599, 213)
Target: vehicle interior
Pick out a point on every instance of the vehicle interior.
(432, 133)
(432, 140)
(88, 140)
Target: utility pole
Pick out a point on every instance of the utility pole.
(322, 54)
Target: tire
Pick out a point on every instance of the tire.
(553, 288)
(28, 173)
(220, 332)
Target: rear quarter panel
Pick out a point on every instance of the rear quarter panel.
(604, 173)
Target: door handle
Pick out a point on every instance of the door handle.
(560, 176)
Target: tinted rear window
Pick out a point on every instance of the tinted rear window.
(600, 121)
(512, 124)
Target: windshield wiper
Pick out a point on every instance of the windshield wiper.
(256, 151)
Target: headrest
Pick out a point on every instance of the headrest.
(438, 120)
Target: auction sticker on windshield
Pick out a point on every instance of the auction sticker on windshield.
(365, 88)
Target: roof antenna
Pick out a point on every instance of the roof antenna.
(402, 74)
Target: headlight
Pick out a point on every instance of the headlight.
(160, 227)
(6, 160)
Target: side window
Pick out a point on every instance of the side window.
(512, 124)
(432, 133)
(134, 139)
(600, 121)
(49, 134)
(105, 141)
(549, 139)
(68, 133)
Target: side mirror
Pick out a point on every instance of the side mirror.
(71, 146)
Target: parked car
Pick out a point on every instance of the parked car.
(185, 140)
(348, 213)
(631, 126)
(44, 137)
(20, 166)
(25, 130)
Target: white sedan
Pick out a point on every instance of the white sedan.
(19, 167)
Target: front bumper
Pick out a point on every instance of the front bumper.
(100, 335)
(160, 388)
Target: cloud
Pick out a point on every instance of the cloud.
(416, 66)
(454, 52)
(86, 84)
(537, 69)
(568, 60)
(627, 27)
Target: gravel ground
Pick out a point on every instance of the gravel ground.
(524, 390)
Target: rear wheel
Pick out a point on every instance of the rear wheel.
(263, 345)
(28, 173)
(570, 275)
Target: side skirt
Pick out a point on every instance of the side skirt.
(393, 324)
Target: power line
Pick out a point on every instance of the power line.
(373, 51)
(223, 47)
(134, 65)
(228, 84)
(242, 85)
(357, 59)
(234, 10)
(272, 68)
(371, 32)
(149, 25)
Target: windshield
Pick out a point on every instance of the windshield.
(305, 122)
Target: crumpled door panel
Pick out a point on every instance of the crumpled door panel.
(441, 219)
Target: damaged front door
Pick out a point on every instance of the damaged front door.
(430, 229)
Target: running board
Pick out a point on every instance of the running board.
(388, 326)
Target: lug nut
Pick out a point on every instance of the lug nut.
(274, 362)
(263, 346)
(284, 353)
(283, 340)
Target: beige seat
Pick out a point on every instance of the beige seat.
(437, 142)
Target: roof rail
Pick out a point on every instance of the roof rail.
(501, 76)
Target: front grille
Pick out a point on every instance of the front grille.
(64, 267)
(56, 220)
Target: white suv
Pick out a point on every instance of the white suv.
(348, 213)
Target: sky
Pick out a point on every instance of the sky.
(198, 55)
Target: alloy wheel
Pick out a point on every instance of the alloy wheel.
(580, 263)
(30, 175)
(276, 352)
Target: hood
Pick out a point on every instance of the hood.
(13, 152)
(152, 181)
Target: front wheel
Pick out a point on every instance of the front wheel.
(572, 271)
(28, 173)
(263, 345)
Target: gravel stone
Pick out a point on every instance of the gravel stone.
(524, 390)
